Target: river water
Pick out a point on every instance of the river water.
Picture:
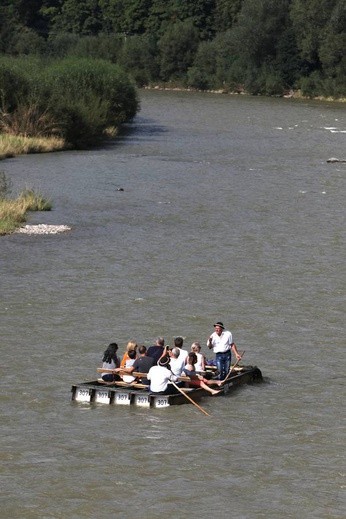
(229, 211)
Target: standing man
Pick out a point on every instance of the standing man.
(222, 344)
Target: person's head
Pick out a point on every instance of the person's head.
(196, 347)
(164, 361)
(131, 345)
(110, 353)
(142, 350)
(132, 354)
(178, 342)
(192, 358)
(160, 341)
(174, 352)
(219, 327)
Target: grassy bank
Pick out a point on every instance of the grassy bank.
(11, 145)
(13, 212)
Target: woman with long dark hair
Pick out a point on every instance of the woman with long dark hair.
(110, 361)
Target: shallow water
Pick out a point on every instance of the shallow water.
(229, 212)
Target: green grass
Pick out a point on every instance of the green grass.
(11, 145)
(13, 212)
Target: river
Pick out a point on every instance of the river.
(228, 211)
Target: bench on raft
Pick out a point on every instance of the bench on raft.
(134, 384)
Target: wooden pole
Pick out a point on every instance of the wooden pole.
(190, 399)
(232, 368)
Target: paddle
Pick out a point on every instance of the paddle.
(232, 368)
(190, 399)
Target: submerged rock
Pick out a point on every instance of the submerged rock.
(333, 159)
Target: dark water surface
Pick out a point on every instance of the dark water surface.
(229, 212)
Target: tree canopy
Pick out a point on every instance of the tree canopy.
(267, 46)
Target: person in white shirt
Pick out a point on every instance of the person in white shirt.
(178, 343)
(201, 360)
(222, 343)
(160, 377)
(176, 361)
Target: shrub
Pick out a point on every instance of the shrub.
(311, 86)
(178, 47)
(14, 85)
(61, 44)
(202, 74)
(87, 96)
(76, 99)
(139, 58)
(28, 42)
(103, 46)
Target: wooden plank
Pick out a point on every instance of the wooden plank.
(136, 374)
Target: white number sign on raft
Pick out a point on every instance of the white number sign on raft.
(122, 398)
(160, 401)
(82, 395)
(102, 396)
(142, 400)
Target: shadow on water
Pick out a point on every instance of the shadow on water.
(142, 128)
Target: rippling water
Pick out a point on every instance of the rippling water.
(230, 212)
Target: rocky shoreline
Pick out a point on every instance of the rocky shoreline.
(42, 229)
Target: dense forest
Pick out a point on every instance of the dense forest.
(260, 46)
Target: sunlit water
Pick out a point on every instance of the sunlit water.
(229, 212)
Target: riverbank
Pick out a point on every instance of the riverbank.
(12, 145)
(289, 94)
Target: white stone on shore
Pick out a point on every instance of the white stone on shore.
(42, 229)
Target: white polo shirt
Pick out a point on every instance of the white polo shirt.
(177, 365)
(221, 343)
(159, 377)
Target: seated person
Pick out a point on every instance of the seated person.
(131, 345)
(176, 361)
(178, 343)
(110, 361)
(201, 359)
(156, 351)
(160, 377)
(197, 380)
(132, 355)
(142, 364)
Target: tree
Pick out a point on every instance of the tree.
(333, 44)
(309, 19)
(202, 74)
(177, 50)
(139, 58)
(226, 14)
(256, 43)
(83, 17)
(125, 16)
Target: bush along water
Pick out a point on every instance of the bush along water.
(74, 99)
